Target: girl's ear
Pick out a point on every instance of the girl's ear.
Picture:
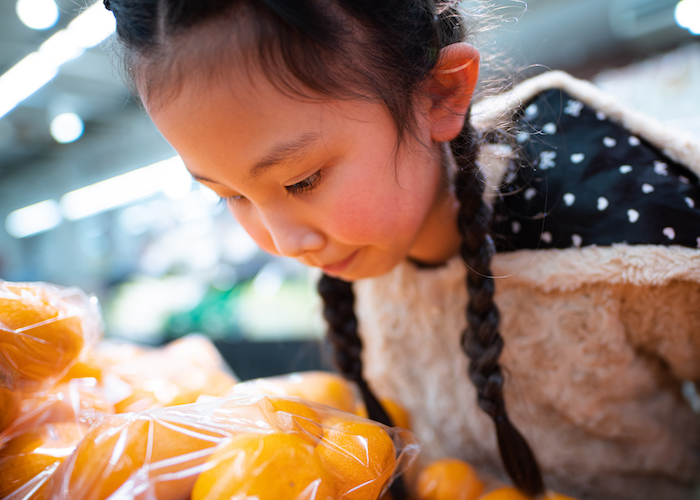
(450, 89)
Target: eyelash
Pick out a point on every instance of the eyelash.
(308, 184)
(301, 187)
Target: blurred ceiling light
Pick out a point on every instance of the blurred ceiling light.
(123, 189)
(37, 14)
(67, 127)
(687, 15)
(33, 219)
(40, 67)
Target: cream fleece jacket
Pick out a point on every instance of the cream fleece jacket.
(598, 342)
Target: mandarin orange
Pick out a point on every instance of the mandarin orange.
(41, 335)
(84, 368)
(28, 460)
(9, 407)
(449, 479)
(119, 445)
(266, 467)
(176, 374)
(510, 493)
(79, 400)
(297, 417)
(398, 414)
(360, 455)
(505, 493)
(320, 387)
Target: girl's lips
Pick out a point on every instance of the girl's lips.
(340, 266)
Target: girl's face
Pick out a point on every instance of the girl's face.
(319, 181)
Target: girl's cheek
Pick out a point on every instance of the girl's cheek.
(364, 217)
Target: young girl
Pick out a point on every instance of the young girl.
(339, 134)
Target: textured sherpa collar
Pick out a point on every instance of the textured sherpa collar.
(571, 268)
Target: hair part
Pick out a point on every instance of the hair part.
(313, 50)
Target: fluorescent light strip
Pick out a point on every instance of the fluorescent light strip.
(40, 67)
(169, 177)
(165, 176)
(33, 219)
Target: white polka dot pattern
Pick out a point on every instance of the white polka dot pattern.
(581, 179)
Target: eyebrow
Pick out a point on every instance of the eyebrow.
(280, 153)
(284, 152)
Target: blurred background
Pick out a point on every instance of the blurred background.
(91, 195)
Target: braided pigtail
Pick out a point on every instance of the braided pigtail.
(338, 309)
(481, 340)
(339, 312)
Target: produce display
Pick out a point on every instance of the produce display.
(87, 419)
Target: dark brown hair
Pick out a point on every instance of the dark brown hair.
(349, 49)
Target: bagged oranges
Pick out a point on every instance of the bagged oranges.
(360, 456)
(43, 330)
(28, 460)
(80, 401)
(267, 467)
(46, 432)
(138, 379)
(267, 447)
(320, 387)
(144, 453)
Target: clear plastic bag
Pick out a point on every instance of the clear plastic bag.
(43, 330)
(47, 431)
(329, 389)
(137, 378)
(263, 447)
(325, 388)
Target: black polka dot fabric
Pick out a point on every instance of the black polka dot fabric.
(581, 179)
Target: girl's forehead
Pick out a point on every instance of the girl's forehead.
(239, 120)
(246, 94)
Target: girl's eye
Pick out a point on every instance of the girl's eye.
(308, 184)
(232, 199)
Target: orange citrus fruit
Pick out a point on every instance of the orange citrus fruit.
(449, 479)
(266, 467)
(505, 493)
(510, 493)
(398, 414)
(119, 445)
(360, 455)
(40, 338)
(84, 368)
(9, 407)
(297, 417)
(320, 387)
(28, 460)
(176, 374)
(80, 401)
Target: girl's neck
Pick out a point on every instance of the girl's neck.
(439, 239)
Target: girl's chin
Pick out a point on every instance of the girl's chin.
(361, 273)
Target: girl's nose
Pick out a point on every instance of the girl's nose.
(294, 240)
